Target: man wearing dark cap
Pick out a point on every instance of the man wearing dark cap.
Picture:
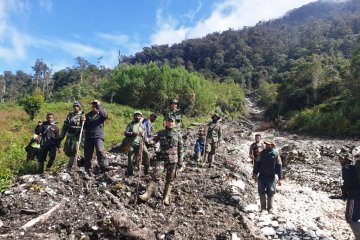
(94, 137)
(170, 158)
(173, 111)
(136, 132)
(265, 168)
(213, 138)
(71, 129)
(49, 142)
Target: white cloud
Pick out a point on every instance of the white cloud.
(126, 44)
(46, 4)
(227, 14)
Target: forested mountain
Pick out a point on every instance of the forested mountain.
(269, 49)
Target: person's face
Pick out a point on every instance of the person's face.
(95, 107)
(50, 118)
(257, 139)
(215, 118)
(76, 108)
(137, 117)
(152, 119)
(173, 106)
(39, 123)
(268, 146)
(170, 124)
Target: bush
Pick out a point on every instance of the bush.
(32, 104)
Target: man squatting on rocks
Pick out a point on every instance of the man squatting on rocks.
(265, 168)
(136, 132)
(49, 142)
(213, 138)
(256, 148)
(351, 191)
(170, 158)
(94, 137)
(71, 129)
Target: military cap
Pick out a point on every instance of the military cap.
(95, 101)
(269, 142)
(170, 118)
(77, 103)
(173, 100)
(137, 112)
(215, 115)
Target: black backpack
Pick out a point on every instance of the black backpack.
(349, 176)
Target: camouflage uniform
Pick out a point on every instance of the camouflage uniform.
(213, 138)
(170, 157)
(71, 129)
(136, 127)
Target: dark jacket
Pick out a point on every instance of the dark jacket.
(49, 135)
(268, 164)
(94, 124)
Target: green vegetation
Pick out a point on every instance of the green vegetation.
(32, 104)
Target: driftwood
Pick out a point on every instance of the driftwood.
(42, 217)
(28, 211)
(127, 228)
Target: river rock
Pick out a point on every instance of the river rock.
(268, 231)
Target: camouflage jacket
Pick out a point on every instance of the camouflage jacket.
(171, 146)
(213, 132)
(175, 113)
(72, 125)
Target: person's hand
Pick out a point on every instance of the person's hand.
(254, 177)
(83, 118)
(58, 150)
(279, 182)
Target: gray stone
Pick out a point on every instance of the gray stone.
(268, 231)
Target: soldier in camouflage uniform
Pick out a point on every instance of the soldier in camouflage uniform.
(213, 138)
(171, 158)
(136, 131)
(71, 129)
(173, 111)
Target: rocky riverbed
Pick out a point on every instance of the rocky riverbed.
(207, 203)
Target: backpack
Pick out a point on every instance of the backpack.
(349, 176)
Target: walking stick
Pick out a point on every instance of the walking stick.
(139, 166)
(205, 146)
(75, 165)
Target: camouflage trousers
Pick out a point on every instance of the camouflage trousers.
(164, 168)
(211, 148)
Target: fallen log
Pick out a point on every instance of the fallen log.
(42, 217)
(127, 228)
(114, 199)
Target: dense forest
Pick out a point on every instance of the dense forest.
(303, 66)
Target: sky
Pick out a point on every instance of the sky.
(58, 31)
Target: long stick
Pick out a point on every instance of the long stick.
(75, 165)
(139, 167)
(205, 146)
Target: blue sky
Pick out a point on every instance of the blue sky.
(60, 30)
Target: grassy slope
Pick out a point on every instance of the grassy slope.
(16, 131)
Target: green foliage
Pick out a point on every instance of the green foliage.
(267, 93)
(230, 99)
(150, 86)
(32, 104)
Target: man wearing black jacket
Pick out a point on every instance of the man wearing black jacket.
(94, 137)
(265, 168)
(48, 138)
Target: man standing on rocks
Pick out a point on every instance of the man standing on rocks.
(351, 189)
(149, 128)
(265, 168)
(170, 159)
(49, 142)
(94, 137)
(213, 138)
(173, 111)
(71, 129)
(136, 132)
(255, 148)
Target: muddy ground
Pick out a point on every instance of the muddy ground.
(207, 203)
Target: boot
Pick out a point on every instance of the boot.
(204, 159)
(70, 164)
(146, 170)
(198, 156)
(211, 159)
(262, 202)
(167, 191)
(270, 201)
(150, 189)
